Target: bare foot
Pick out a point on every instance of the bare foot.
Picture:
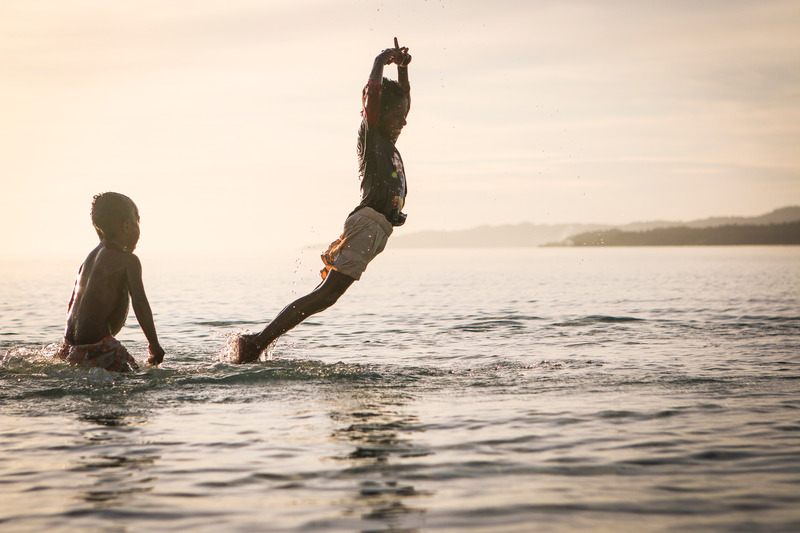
(246, 350)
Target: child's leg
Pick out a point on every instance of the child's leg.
(321, 298)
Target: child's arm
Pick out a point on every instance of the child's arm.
(386, 57)
(141, 307)
(402, 70)
(371, 97)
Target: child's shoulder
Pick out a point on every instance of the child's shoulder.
(111, 256)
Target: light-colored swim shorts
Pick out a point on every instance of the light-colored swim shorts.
(365, 235)
(109, 354)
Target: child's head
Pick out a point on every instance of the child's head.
(115, 216)
(394, 108)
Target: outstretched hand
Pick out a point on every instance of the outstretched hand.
(156, 355)
(403, 58)
(397, 55)
(389, 56)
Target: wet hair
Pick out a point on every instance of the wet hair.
(109, 211)
(391, 94)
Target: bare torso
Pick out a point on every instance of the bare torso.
(99, 304)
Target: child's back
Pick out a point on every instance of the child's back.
(100, 302)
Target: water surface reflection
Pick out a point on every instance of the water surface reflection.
(377, 424)
(115, 464)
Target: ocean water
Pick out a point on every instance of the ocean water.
(587, 389)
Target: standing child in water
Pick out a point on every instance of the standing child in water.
(109, 277)
(383, 192)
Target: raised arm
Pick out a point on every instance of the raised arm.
(402, 70)
(141, 307)
(386, 57)
(371, 97)
(372, 92)
(402, 64)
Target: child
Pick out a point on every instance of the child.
(107, 279)
(368, 227)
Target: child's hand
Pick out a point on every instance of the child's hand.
(156, 354)
(403, 58)
(388, 56)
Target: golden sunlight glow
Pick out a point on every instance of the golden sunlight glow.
(233, 123)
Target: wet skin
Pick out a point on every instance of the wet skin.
(108, 279)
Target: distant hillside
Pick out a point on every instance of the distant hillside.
(731, 234)
(508, 236)
(778, 216)
(532, 235)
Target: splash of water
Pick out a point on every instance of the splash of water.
(230, 351)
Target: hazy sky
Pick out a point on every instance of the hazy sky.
(232, 123)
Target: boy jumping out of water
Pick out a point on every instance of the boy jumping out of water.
(383, 191)
(109, 277)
